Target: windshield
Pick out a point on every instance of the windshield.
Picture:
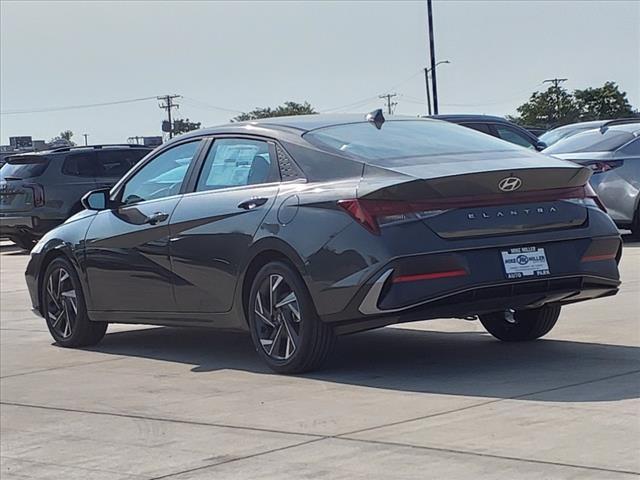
(591, 141)
(23, 169)
(405, 138)
(553, 136)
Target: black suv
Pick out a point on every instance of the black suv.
(39, 191)
(497, 127)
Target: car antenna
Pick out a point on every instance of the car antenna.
(376, 117)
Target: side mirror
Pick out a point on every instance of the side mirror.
(540, 145)
(96, 199)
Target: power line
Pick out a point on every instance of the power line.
(200, 103)
(74, 107)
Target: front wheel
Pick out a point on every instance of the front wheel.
(521, 325)
(285, 327)
(64, 309)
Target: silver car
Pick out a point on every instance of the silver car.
(613, 154)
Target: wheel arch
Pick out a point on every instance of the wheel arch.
(57, 250)
(263, 252)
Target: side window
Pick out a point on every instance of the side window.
(162, 176)
(632, 148)
(481, 127)
(81, 164)
(513, 136)
(236, 162)
(115, 163)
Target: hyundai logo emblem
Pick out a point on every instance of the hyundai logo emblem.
(509, 184)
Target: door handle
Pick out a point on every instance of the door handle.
(156, 218)
(253, 203)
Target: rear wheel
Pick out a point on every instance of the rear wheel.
(521, 325)
(285, 327)
(64, 309)
(24, 241)
(635, 226)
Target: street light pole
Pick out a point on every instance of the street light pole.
(426, 82)
(434, 81)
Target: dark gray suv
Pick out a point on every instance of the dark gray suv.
(40, 190)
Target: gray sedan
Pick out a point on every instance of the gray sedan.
(613, 154)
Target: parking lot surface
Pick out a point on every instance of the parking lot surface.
(438, 399)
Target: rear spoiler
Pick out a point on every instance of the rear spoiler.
(26, 159)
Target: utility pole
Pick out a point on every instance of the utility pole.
(86, 141)
(167, 103)
(390, 104)
(556, 83)
(434, 82)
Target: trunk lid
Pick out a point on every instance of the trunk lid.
(469, 195)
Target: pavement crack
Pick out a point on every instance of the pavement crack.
(481, 404)
(237, 459)
(491, 455)
(63, 367)
(161, 419)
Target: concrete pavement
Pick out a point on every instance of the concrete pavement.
(439, 399)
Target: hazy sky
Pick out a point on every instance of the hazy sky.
(333, 54)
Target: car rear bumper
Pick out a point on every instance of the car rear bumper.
(15, 222)
(470, 282)
(24, 224)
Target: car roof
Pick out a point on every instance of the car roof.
(297, 124)
(50, 151)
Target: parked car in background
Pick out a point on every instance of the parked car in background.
(497, 127)
(556, 134)
(537, 131)
(40, 190)
(298, 229)
(612, 152)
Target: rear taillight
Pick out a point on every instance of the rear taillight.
(38, 193)
(601, 166)
(372, 214)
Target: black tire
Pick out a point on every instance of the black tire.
(635, 226)
(24, 241)
(66, 318)
(528, 324)
(304, 341)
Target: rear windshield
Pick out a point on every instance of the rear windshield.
(404, 138)
(591, 141)
(16, 169)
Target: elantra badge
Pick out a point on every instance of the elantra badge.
(509, 184)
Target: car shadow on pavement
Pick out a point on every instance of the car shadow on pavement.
(465, 363)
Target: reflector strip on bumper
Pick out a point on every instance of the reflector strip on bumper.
(429, 276)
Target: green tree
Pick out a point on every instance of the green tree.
(184, 126)
(602, 103)
(288, 108)
(552, 107)
(64, 137)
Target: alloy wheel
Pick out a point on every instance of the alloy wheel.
(278, 320)
(61, 302)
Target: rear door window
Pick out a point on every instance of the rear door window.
(480, 127)
(115, 163)
(236, 162)
(512, 135)
(81, 164)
